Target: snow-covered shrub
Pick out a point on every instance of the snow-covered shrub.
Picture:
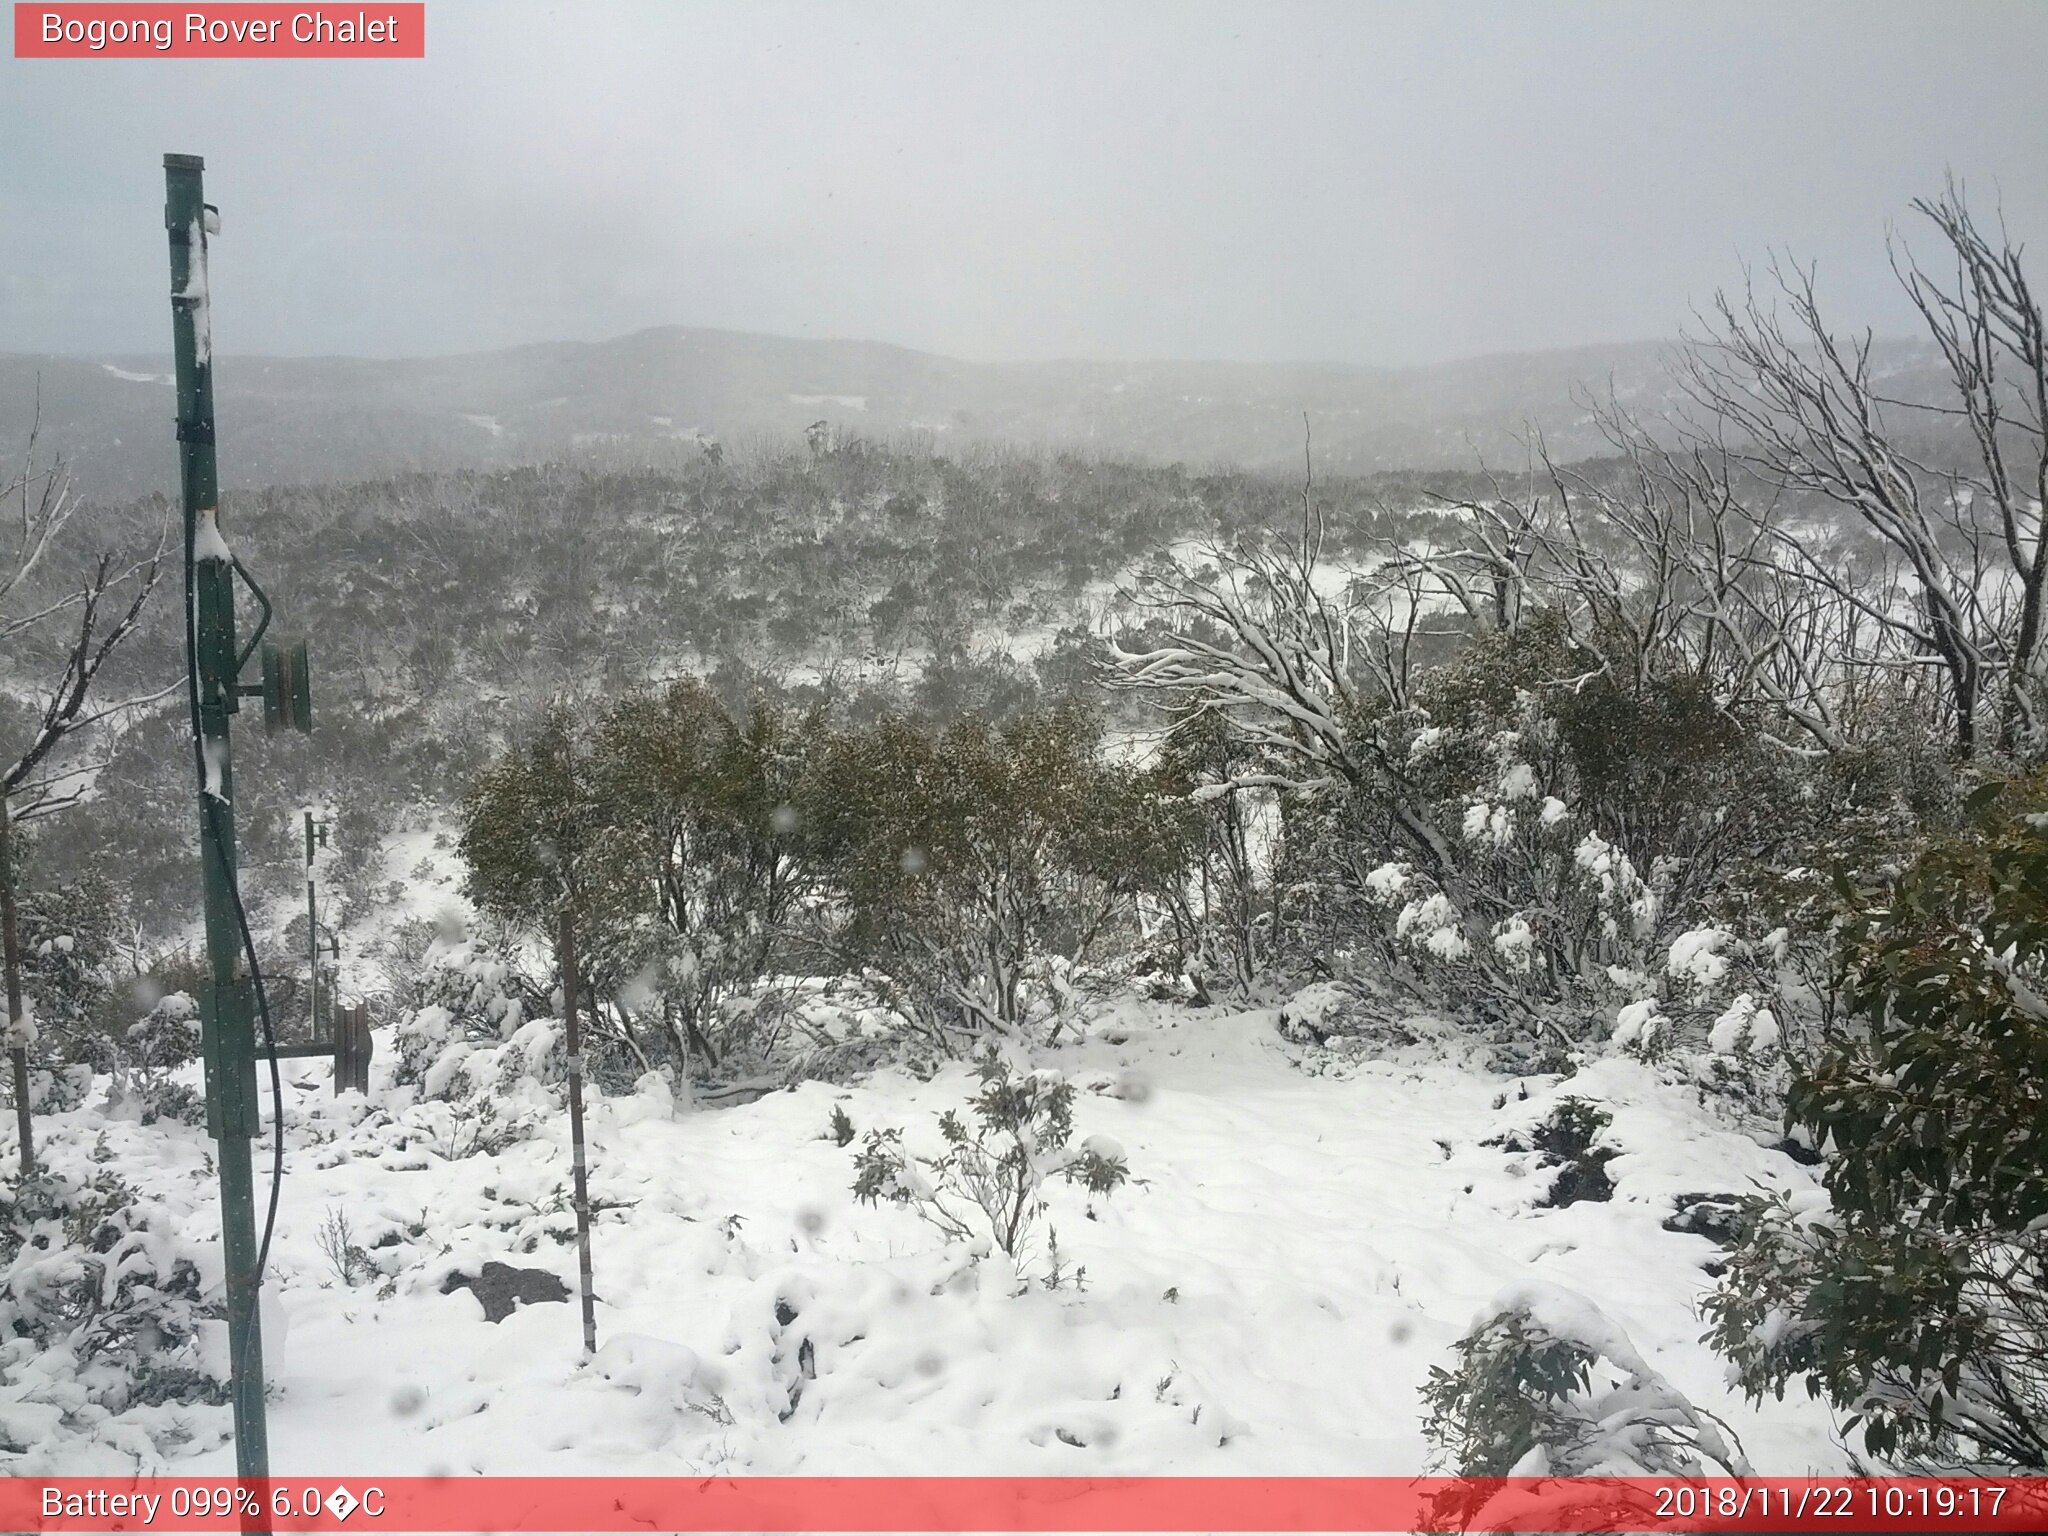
(1572, 1139)
(474, 1125)
(472, 990)
(67, 934)
(346, 1257)
(101, 1305)
(478, 1098)
(1917, 1300)
(1546, 1384)
(74, 1010)
(482, 1072)
(1519, 842)
(986, 1187)
(1642, 1029)
(53, 1090)
(406, 955)
(1710, 1015)
(157, 1046)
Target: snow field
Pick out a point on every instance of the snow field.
(1266, 1296)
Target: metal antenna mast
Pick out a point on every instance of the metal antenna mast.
(229, 1039)
(233, 992)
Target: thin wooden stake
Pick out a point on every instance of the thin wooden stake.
(566, 954)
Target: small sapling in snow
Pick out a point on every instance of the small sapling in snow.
(349, 1260)
(987, 1185)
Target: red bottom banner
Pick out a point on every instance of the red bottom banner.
(923, 1504)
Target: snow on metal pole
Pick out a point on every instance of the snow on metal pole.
(228, 1033)
(566, 953)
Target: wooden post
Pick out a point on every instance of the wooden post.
(10, 955)
(353, 1048)
(365, 1046)
(565, 953)
(312, 936)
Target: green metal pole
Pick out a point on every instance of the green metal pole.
(228, 1038)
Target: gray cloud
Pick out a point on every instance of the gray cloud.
(1374, 183)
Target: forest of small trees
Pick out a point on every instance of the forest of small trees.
(1723, 751)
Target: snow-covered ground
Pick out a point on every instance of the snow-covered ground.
(1300, 1242)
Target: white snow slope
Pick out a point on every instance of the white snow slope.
(1267, 1295)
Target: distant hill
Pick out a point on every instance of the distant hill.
(652, 396)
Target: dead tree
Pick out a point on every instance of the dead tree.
(1255, 638)
(77, 628)
(1961, 524)
(1656, 566)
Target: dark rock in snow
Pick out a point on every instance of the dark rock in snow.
(503, 1289)
(1715, 1217)
(1798, 1151)
(1301, 1029)
(806, 1360)
(1585, 1179)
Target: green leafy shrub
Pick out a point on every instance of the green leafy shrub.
(969, 865)
(1917, 1300)
(676, 829)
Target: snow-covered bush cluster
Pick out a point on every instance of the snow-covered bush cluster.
(477, 1070)
(106, 1331)
(467, 990)
(149, 1062)
(1548, 859)
(1574, 914)
(1709, 1014)
(1545, 1384)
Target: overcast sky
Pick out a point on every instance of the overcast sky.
(1372, 183)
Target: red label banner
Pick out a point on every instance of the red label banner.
(240, 31)
(1052, 1504)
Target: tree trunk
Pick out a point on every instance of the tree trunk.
(10, 953)
(565, 953)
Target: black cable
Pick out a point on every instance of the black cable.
(269, 1040)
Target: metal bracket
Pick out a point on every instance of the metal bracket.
(262, 624)
(232, 1108)
(287, 699)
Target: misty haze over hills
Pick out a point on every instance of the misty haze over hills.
(655, 395)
